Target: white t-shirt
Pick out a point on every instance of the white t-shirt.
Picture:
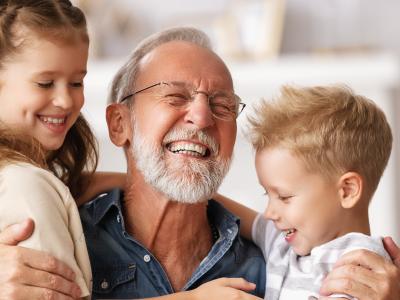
(290, 276)
(27, 191)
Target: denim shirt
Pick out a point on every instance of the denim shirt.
(124, 269)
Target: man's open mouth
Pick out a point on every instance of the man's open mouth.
(187, 148)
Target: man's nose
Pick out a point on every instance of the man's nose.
(199, 112)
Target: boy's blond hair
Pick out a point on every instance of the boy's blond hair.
(330, 128)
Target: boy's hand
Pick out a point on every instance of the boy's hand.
(31, 274)
(365, 275)
(224, 288)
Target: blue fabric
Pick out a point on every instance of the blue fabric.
(124, 269)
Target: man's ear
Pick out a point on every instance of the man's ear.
(119, 124)
(350, 189)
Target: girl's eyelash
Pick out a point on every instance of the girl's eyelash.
(49, 84)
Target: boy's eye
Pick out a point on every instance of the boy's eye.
(45, 84)
(284, 198)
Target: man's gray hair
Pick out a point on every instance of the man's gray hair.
(123, 82)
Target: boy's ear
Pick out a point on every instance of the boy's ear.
(350, 189)
(119, 124)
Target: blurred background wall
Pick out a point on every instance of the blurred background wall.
(266, 43)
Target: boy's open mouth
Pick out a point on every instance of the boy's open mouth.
(289, 232)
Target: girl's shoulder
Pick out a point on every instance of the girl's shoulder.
(26, 175)
(26, 170)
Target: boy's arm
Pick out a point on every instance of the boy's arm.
(101, 182)
(246, 214)
(222, 288)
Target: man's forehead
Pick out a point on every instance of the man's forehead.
(178, 48)
(182, 59)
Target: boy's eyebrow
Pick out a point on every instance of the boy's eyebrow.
(278, 189)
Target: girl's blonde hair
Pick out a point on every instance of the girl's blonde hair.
(20, 21)
(330, 128)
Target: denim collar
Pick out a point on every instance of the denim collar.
(104, 202)
(221, 217)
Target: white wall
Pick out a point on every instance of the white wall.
(360, 27)
(375, 75)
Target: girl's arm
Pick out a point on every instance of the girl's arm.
(101, 182)
(30, 192)
(246, 214)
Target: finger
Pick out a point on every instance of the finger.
(16, 233)
(347, 286)
(353, 277)
(237, 283)
(38, 260)
(22, 292)
(364, 258)
(49, 281)
(393, 250)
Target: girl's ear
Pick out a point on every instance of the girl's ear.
(119, 124)
(350, 189)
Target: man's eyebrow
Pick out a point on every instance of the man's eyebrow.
(179, 83)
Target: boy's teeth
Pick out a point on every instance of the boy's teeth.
(289, 231)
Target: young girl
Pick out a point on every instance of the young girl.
(45, 143)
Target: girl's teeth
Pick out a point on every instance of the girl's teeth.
(53, 120)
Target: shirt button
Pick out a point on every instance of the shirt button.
(146, 258)
(104, 285)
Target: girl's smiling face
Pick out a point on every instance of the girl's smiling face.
(41, 89)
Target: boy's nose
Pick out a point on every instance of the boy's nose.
(270, 212)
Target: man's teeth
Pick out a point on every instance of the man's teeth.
(53, 120)
(189, 148)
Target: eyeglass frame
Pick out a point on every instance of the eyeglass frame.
(241, 105)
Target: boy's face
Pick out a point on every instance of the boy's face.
(304, 205)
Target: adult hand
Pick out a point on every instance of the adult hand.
(393, 250)
(365, 275)
(31, 274)
(225, 288)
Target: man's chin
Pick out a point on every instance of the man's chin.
(190, 201)
(186, 194)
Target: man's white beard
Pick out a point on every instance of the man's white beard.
(185, 180)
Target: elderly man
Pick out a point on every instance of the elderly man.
(173, 109)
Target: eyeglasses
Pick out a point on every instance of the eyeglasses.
(224, 105)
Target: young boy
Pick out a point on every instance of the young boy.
(320, 153)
